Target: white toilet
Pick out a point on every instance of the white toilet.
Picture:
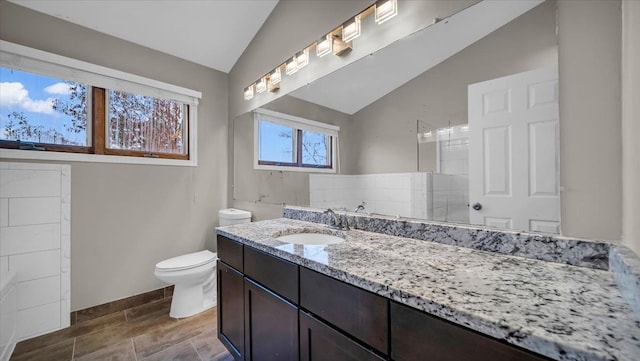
(194, 274)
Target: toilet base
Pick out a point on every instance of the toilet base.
(188, 300)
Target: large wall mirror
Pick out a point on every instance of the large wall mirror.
(433, 126)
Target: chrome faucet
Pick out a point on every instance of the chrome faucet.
(360, 207)
(337, 221)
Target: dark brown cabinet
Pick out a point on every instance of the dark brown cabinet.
(416, 335)
(231, 309)
(359, 313)
(319, 342)
(271, 325)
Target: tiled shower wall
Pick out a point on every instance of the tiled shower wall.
(397, 194)
(35, 213)
(450, 198)
(425, 195)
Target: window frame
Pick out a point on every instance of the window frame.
(99, 78)
(298, 125)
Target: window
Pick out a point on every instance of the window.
(44, 110)
(138, 123)
(287, 142)
(57, 104)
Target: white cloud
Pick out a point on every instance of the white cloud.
(58, 89)
(15, 95)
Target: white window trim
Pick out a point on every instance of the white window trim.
(296, 123)
(33, 60)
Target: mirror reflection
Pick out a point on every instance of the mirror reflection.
(473, 139)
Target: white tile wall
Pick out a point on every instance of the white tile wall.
(38, 292)
(390, 194)
(4, 268)
(28, 211)
(35, 234)
(38, 320)
(25, 239)
(4, 212)
(29, 183)
(35, 265)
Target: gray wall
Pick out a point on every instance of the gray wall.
(589, 37)
(631, 123)
(125, 218)
(384, 133)
(262, 191)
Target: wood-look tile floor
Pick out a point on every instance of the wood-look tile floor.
(143, 333)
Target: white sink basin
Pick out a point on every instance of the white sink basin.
(310, 238)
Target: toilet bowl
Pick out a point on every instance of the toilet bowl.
(194, 278)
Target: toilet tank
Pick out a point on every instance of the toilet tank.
(231, 216)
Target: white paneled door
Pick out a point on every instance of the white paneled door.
(513, 152)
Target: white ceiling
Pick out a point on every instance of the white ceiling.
(361, 83)
(213, 33)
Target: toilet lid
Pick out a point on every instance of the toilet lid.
(187, 261)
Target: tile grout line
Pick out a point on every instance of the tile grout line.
(133, 345)
(196, 349)
(73, 349)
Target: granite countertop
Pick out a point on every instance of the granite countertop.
(561, 311)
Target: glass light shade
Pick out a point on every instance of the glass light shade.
(291, 67)
(351, 30)
(273, 80)
(275, 77)
(261, 86)
(386, 10)
(302, 59)
(325, 46)
(248, 93)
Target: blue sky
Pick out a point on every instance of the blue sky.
(33, 95)
(274, 147)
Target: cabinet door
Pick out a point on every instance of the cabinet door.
(355, 311)
(319, 342)
(231, 309)
(271, 325)
(416, 335)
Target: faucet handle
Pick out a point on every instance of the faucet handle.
(344, 223)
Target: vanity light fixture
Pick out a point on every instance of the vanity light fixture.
(385, 10)
(297, 62)
(273, 83)
(291, 67)
(325, 46)
(261, 85)
(248, 92)
(338, 42)
(351, 30)
(302, 58)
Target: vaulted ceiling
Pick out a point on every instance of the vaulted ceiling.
(210, 33)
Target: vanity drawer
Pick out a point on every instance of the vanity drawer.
(230, 252)
(357, 312)
(415, 334)
(276, 274)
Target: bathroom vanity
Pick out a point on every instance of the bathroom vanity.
(382, 297)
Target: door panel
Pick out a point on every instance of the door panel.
(231, 309)
(271, 325)
(514, 153)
